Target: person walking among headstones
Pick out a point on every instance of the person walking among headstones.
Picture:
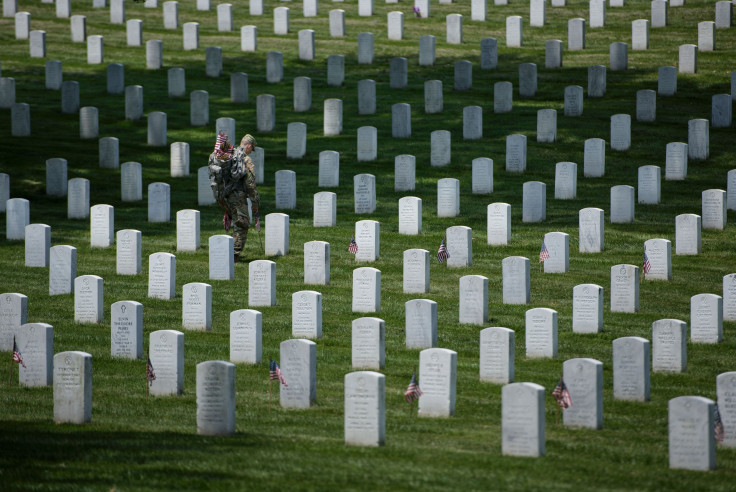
(241, 186)
(219, 165)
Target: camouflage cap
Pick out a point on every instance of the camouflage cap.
(248, 139)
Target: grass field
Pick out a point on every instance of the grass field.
(137, 444)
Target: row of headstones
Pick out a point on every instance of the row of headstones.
(687, 226)
(367, 233)
(503, 96)
(706, 320)
(691, 437)
(473, 292)
(667, 86)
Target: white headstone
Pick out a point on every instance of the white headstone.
(473, 299)
(401, 120)
(622, 204)
(692, 444)
(584, 380)
(262, 283)
(159, 202)
(706, 318)
(438, 381)
(367, 146)
(317, 263)
(366, 96)
(368, 343)
(38, 242)
(624, 289)
(366, 290)
(516, 280)
(128, 255)
(126, 329)
(162, 276)
(522, 420)
(72, 387)
(576, 34)
(88, 299)
(534, 201)
(421, 323)
(215, 398)
(102, 226)
(516, 153)
(498, 223)
(246, 328)
(714, 209)
(459, 246)
(166, 352)
(566, 180)
(78, 198)
(410, 215)
(620, 131)
(591, 225)
(62, 269)
(299, 369)
(277, 234)
(131, 182)
(669, 345)
(36, 344)
(514, 31)
(365, 408)
(17, 217)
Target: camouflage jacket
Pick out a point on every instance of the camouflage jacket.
(242, 173)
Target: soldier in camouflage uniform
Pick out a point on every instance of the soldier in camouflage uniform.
(240, 186)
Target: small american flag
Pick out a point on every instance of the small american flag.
(353, 246)
(413, 391)
(150, 374)
(442, 253)
(543, 253)
(16, 354)
(227, 222)
(718, 424)
(646, 265)
(417, 12)
(562, 395)
(258, 223)
(276, 372)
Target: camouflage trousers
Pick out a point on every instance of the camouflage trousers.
(237, 204)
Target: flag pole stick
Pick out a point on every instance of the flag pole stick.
(10, 376)
(269, 395)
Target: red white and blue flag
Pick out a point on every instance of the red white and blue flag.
(718, 424)
(17, 358)
(275, 371)
(353, 246)
(442, 253)
(543, 253)
(562, 395)
(150, 374)
(646, 266)
(413, 391)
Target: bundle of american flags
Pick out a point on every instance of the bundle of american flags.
(353, 246)
(17, 358)
(562, 395)
(543, 253)
(275, 371)
(413, 391)
(646, 266)
(150, 374)
(442, 253)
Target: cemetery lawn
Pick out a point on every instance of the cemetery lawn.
(139, 443)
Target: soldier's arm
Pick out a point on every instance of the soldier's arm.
(251, 191)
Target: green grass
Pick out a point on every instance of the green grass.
(133, 443)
